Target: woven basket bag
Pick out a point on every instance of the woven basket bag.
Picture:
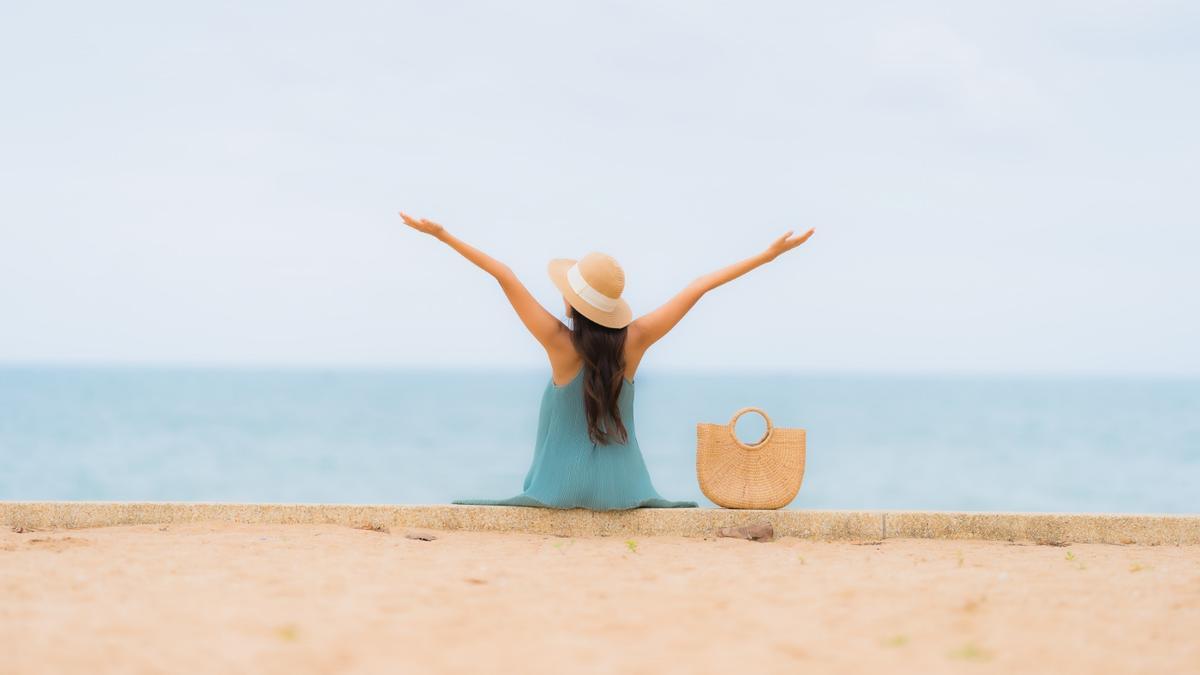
(765, 475)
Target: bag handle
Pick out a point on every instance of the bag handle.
(733, 428)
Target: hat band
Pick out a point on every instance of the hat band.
(590, 295)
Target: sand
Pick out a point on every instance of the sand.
(227, 598)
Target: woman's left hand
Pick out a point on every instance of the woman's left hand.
(423, 225)
(786, 243)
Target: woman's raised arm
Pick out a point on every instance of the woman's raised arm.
(651, 327)
(548, 330)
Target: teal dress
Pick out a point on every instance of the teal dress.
(570, 471)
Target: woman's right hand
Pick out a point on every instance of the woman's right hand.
(784, 244)
(423, 225)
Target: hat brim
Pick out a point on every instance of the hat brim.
(619, 317)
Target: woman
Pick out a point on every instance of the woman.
(586, 454)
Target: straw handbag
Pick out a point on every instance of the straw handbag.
(765, 475)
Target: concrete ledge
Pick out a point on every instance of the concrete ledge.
(1046, 527)
(833, 525)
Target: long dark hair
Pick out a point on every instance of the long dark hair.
(603, 352)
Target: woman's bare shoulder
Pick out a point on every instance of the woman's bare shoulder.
(633, 358)
(565, 362)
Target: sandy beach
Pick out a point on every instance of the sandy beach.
(228, 598)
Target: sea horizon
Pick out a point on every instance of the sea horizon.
(891, 441)
(492, 368)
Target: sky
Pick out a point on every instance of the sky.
(996, 187)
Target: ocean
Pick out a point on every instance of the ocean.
(1084, 444)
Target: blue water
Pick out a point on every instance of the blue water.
(896, 442)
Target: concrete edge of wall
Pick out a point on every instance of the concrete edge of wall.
(1052, 528)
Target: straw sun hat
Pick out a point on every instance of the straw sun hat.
(593, 285)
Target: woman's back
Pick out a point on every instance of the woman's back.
(569, 470)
